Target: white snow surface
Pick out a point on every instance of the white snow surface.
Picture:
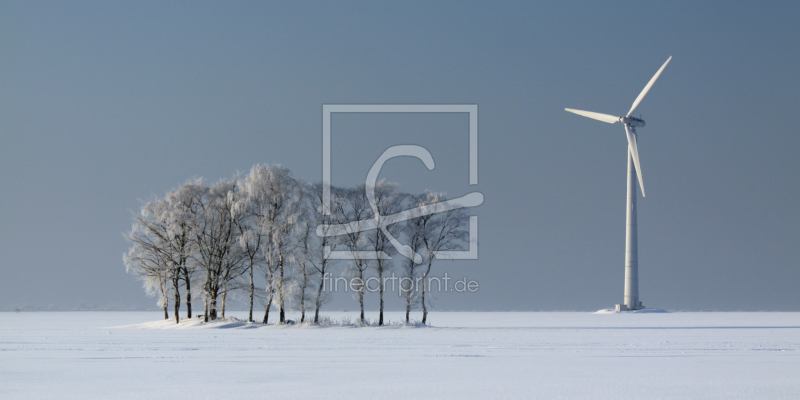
(465, 355)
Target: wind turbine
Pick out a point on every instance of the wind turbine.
(631, 299)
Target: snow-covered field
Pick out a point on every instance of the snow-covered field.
(85, 355)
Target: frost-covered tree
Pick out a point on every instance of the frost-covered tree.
(276, 199)
(386, 202)
(151, 269)
(164, 229)
(171, 246)
(413, 230)
(251, 241)
(149, 256)
(301, 260)
(324, 244)
(179, 207)
(439, 230)
(216, 236)
(350, 212)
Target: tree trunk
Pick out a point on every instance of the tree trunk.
(424, 308)
(361, 294)
(280, 291)
(303, 296)
(409, 294)
(424, 285)
(224, 296)
(380, 292)
(205, 311)
(164, 296)
(361, 302)
(177, 300)
(266, 312)
(207, 295)
(408, 308)
(212, 306)
(213, 293)
(188, 293)
(252, 291)
(318, 302)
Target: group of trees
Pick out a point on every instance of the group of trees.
(266, 237)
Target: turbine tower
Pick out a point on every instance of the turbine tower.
(631, 299)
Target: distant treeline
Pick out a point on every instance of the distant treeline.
(266, 235)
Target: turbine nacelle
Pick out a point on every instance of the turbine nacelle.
(633, 122)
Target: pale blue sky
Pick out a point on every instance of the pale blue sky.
(105, 103)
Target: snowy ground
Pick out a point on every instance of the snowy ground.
(82, 355)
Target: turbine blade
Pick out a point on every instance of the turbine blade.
(593, 115)
(635, 154)
(647, 88)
